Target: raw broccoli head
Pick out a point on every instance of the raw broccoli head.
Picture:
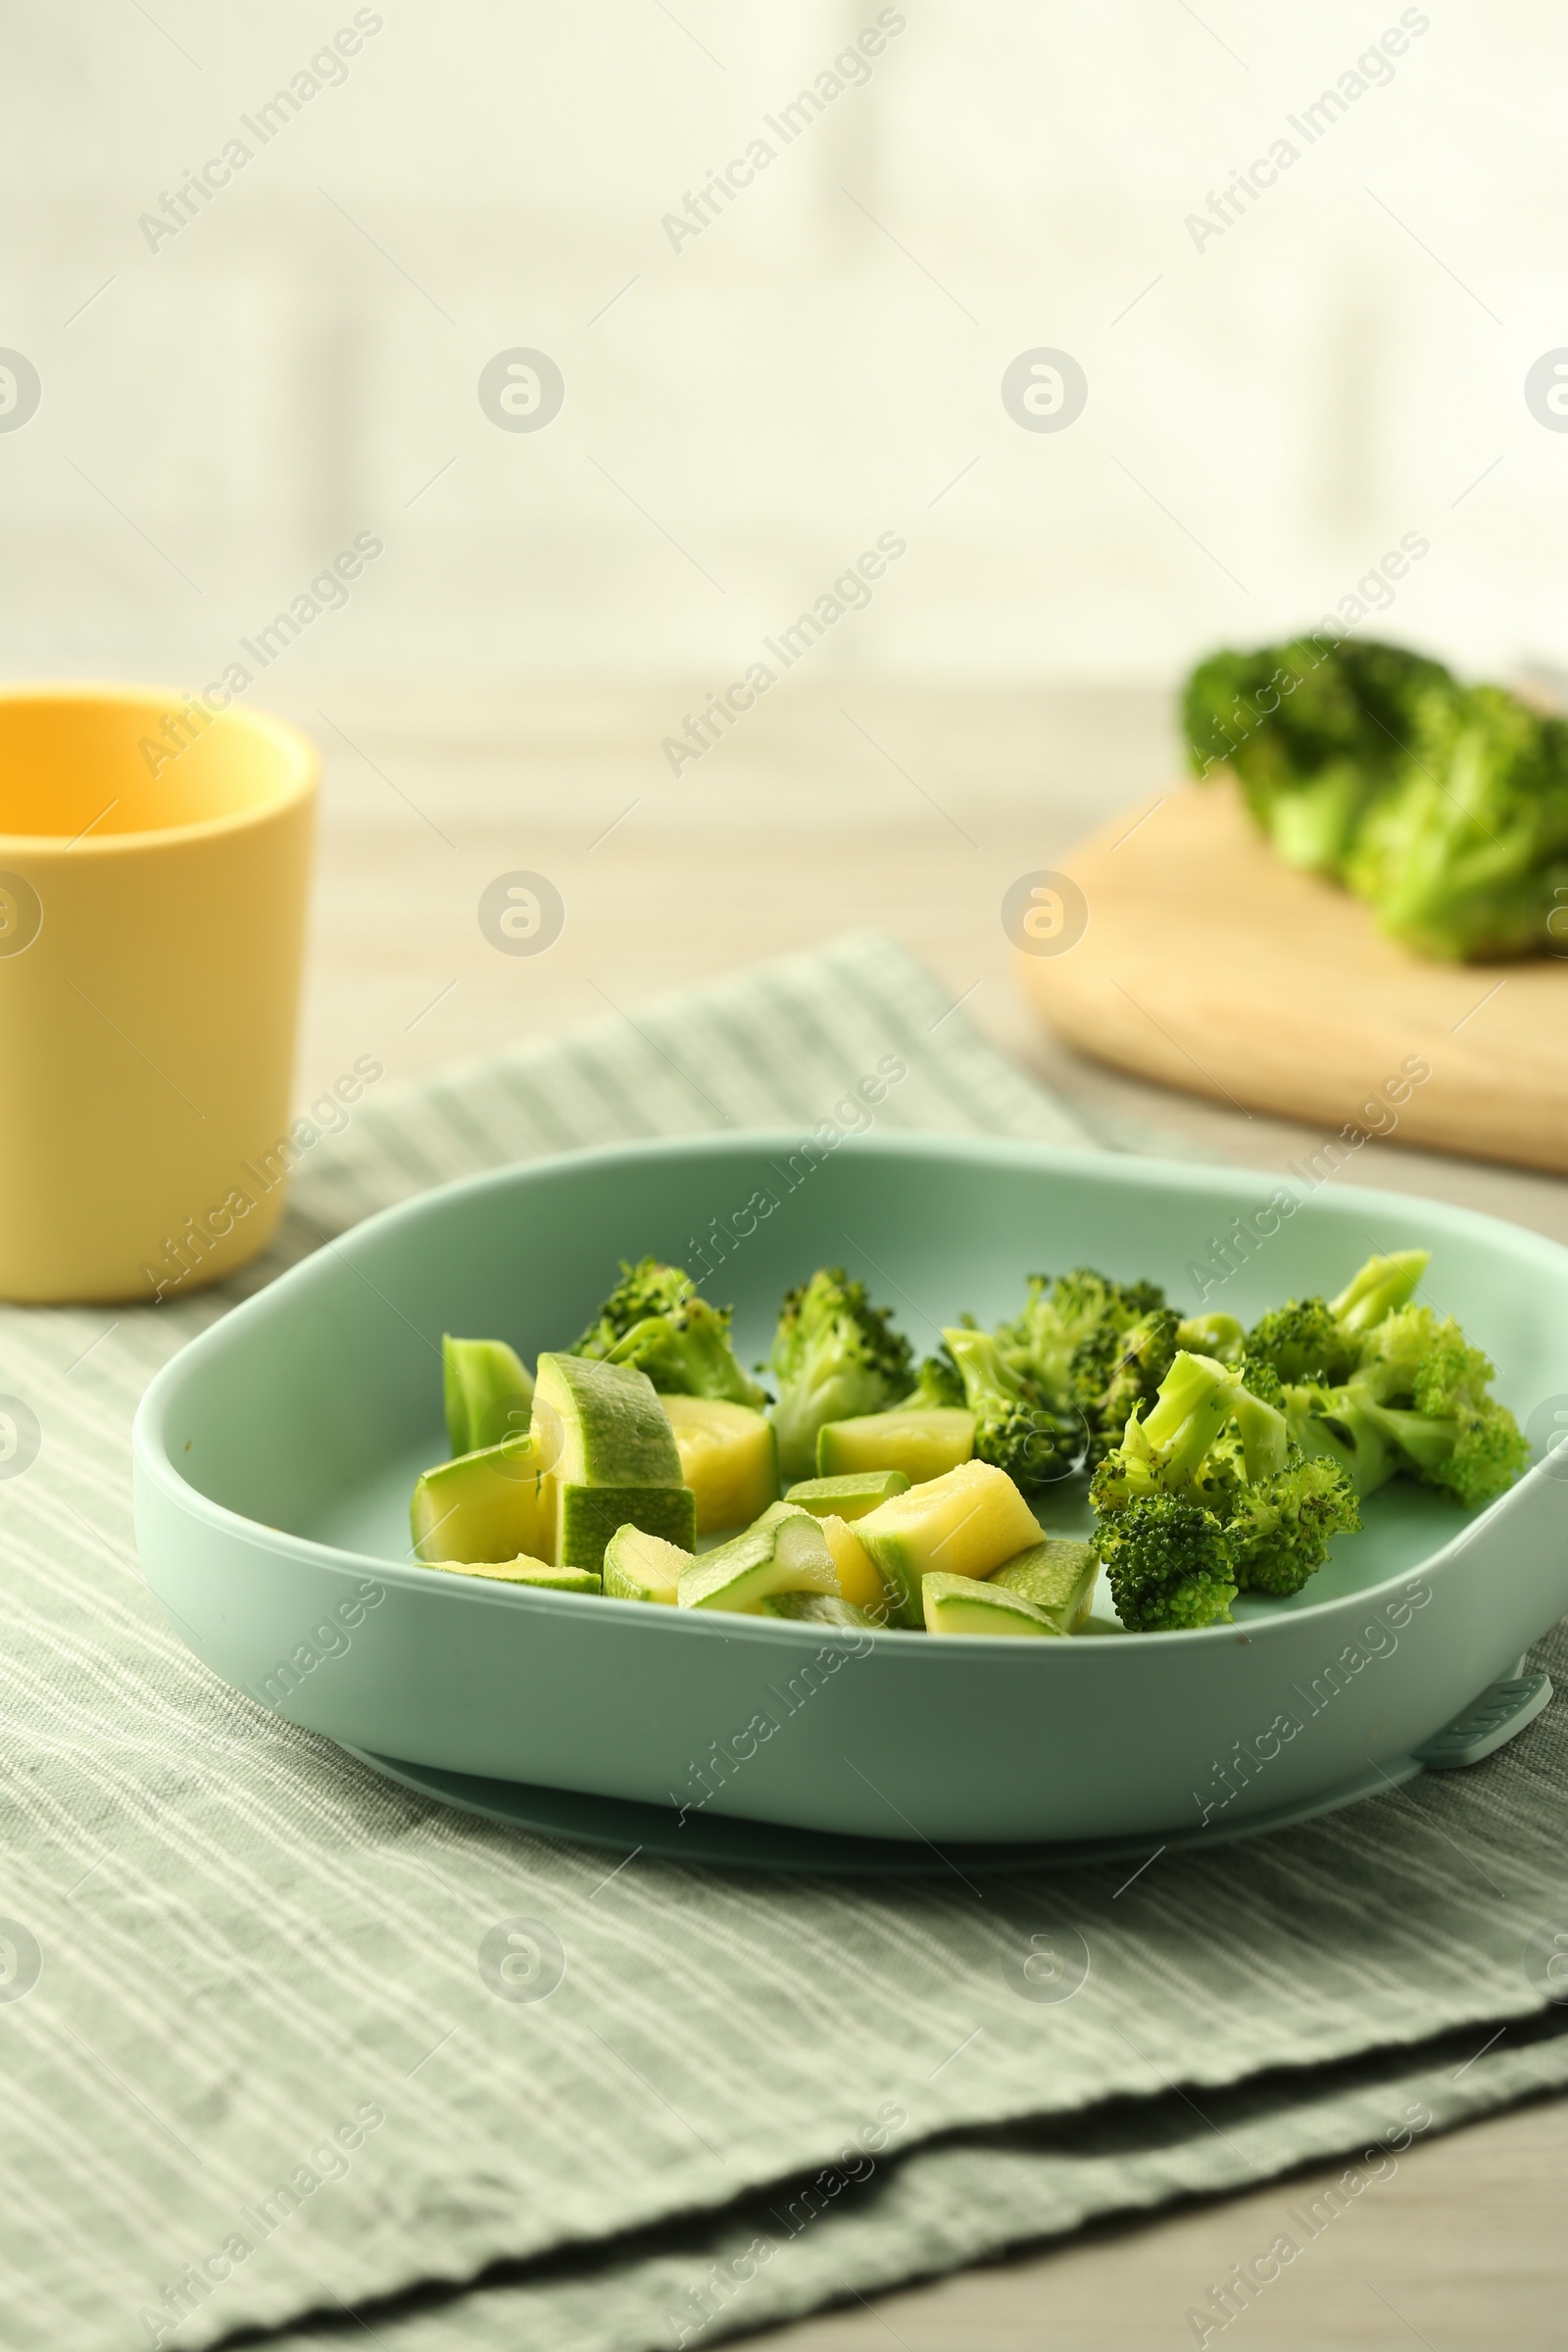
(1015, 1429)
(1171, 1565)
(1313, 731)
(835, 1356)
(655, 1322)
(1463, 857)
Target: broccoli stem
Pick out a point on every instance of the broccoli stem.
(1195, 1400)
(1383, 1285)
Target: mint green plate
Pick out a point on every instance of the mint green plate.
(274, 1458)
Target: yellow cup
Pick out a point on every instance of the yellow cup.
(154, 866)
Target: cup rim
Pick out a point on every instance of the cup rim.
(300, 776)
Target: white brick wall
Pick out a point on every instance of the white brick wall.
(1336, 369)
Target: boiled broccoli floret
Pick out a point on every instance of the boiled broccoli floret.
(1171, 1448)
(1319, 1339)
(1416, 1401)
(1213, 1334)
(1282, 1530)
(1380, 1385)
(1300, 1341)
(939, 1382)
(1463, 857)
(1146, 1349)
(1015, 1429)
(1215, 1446)
(1068, 1344)
(1170, 1563)
(1380, 1286)
(1330, 1424)
(1314, 732)
(655, 1322)
(836, 1356)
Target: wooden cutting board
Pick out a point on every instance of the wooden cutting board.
(1208, 966)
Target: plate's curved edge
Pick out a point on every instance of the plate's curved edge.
(728, 1841)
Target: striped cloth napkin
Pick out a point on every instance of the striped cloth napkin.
(262, 2072)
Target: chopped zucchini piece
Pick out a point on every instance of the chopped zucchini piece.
(588, 1516)
(924, 1442)
(524, 1571)
(1059, 1575)
(784, 1553)
(968, 1604)
(966, 1523)
(615, 1458)
(728, 1457)
(485, 1506)
(847, 1498)
(814, 1608)
(488, 1391)
(639, 1567)
(858, 1577)
(613, 1430)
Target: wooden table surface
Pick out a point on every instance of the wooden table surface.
(908, 809)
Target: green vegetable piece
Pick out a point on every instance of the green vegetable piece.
(1445, 807)
(814, 1608)
(969, 1522)
(1380, 1288)
(1014, 1428)
(939, 1381)
(1147, 1350)
(484, 1507)
(525, 1571)
(642, 1567)
(655, 1322)
(1315, 732)
(1216, 1335)
(919, 1443)
(1089, 1347)
(1171, 1565)
(783, 1553)
(1065, 1338)
(488, 1391)
(587, 1517)
(1320, 1340)
(610, 1426)
(836, 1357)
(967, 1604)
(1465, 855)
(729, 1458)
(1058, 1576)
(1301, 1342)
(849, 1497)
(1417, 1401)
(1208, 1494)
(1281, 1529)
